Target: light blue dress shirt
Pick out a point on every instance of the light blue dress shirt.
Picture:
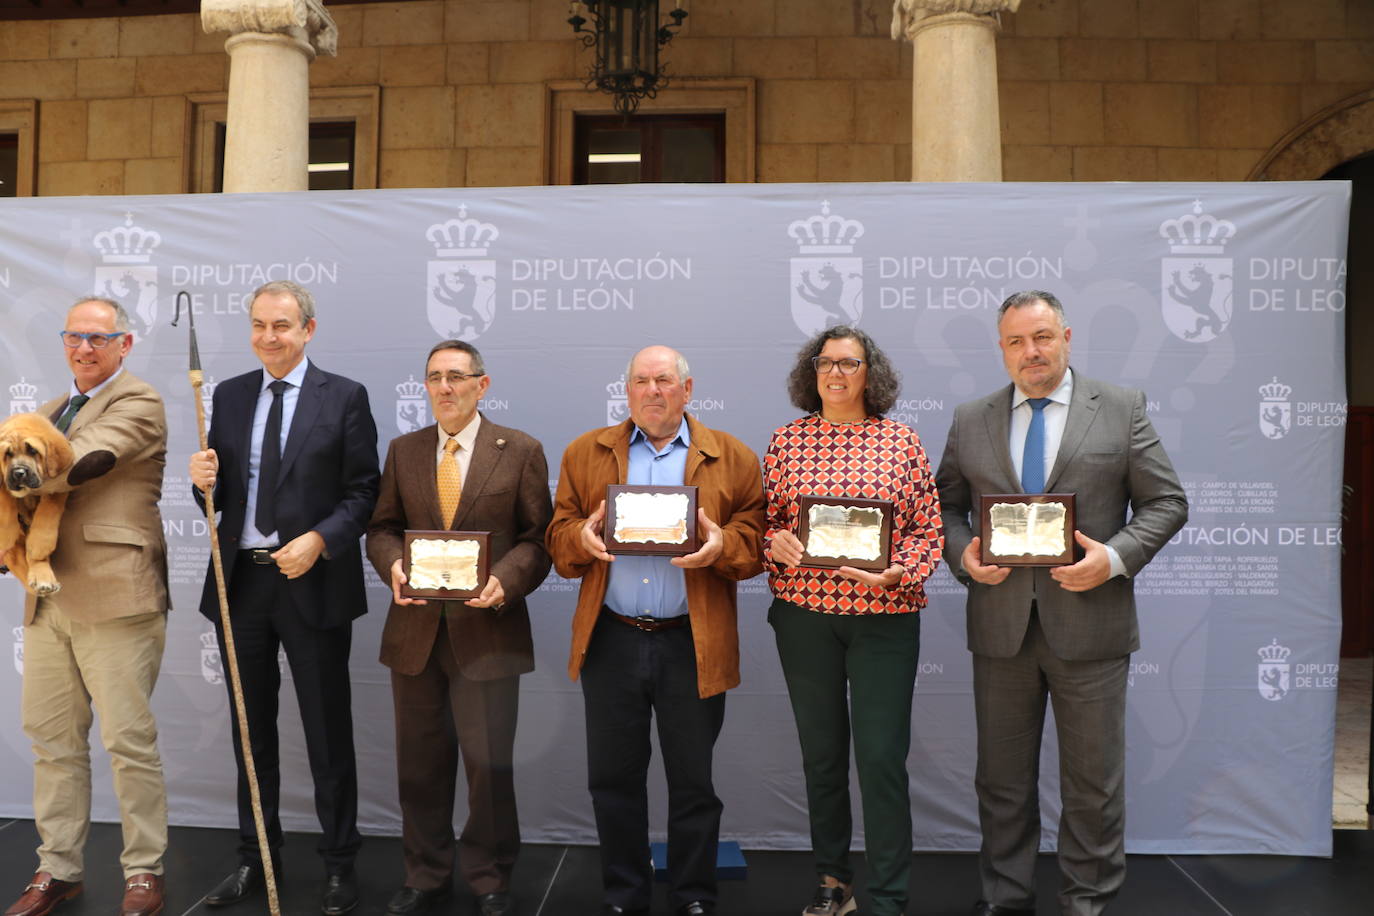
(251, 538)
(651, 586)
(1056, 418)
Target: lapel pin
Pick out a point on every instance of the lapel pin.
(500, 443)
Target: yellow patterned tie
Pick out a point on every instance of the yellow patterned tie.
(449, 482)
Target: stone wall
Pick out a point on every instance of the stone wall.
(1145, 90)
(1090, 89)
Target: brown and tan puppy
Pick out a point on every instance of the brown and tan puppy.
(32, 453)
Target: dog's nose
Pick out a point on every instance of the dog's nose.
(21, 478)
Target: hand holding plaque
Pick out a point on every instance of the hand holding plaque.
(449, 565)
(651, 520)
(1021, 529)
(840, 531)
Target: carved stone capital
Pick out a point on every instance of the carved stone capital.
(306, 20)
(908, 14)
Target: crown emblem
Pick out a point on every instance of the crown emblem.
(1274, 653)
(461, 237)
(411, 389)
(208, 640)
(1197, 232)
(1275, 390)
(825, 233)
(126, 244)
(616, 389)
(23, 390)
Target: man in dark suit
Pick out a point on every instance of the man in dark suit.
(293, 459)
(464, 473)
(1064, 632)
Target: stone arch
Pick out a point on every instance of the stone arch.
(1336, 134)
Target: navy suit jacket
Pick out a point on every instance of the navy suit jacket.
(327, 483)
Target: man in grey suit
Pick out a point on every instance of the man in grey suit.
(1064, 632)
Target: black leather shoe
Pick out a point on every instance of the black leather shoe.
(497, 903)
(340, 893)
(983, 908)
(411, 900)
(241, 884)
(696, 908)
(611, 909)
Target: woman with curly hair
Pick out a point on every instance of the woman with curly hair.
(849, 638)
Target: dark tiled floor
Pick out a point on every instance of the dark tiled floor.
(563, 880)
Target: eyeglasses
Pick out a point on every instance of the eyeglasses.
(453, 377)
(848, 366)
(98, 340)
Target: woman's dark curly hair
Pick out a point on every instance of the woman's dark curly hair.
(884, 382)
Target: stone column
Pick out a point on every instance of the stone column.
(956, 132)
(271, 45)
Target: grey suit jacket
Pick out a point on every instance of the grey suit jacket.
(506, 493)
(1111, 458)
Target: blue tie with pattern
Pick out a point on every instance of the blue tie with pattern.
(1033, 458)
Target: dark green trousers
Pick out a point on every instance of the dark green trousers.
(875, 658)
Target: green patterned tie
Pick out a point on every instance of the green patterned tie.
(73, 406)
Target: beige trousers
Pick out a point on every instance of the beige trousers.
(70, 666)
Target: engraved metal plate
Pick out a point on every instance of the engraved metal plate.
(1028, 529)
(840, 531)
(653, 520)
(445, 564)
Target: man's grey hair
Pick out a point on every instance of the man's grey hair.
(304, 300)
(684, 372)
(1030, 297)
(121, 317)
(462, 346)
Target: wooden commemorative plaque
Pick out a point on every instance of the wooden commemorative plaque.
(840, 531)
(651, 520)
(1028, 529)
(449, 565)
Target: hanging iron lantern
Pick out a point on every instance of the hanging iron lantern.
(626, 35)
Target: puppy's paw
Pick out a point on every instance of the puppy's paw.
(44, 588)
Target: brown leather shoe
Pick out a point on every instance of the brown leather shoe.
(42, 895)
(142, 896)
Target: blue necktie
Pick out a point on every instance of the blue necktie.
(1033, 458)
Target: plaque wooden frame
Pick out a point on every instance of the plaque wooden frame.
(483, 539)
(804, 504)
(988, 500)
(650, 548)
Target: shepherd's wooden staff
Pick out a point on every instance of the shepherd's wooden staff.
(235, 685)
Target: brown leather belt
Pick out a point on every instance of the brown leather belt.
(646, 623)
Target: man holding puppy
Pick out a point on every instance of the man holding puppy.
(98, 642)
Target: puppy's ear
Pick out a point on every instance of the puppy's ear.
(57, 456)
(92, 465)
